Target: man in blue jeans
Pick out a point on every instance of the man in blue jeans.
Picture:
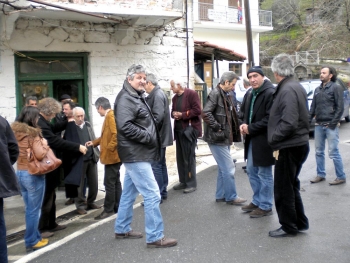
(255, 113)
(138, 146)
(221, 130)
(8, 183)
(158, 102)
(328, 105)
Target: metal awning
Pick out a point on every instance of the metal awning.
(204, 50)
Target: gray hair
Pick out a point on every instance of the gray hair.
(183, 84)
(246, 81)
(228, 76)
(150, 77)
(78, 109)
(31, 98)
(103, 102)
(49, 106)
(283, 65)
(135, 69)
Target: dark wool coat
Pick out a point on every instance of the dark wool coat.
(261, 150)
(191, 110)
(8, 155)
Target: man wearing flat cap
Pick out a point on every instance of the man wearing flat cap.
(254, 115)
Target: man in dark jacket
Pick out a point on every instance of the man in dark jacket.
(138, 146)
(158, 102)
(186, 110)
(8, 182)
(328, 106)
(78, 167)
(48, 108)
(221, 130)
(255, 112)
(288, 136)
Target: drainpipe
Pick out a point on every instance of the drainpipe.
(248, 26)
(189, 36)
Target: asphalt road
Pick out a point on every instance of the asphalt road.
(215, 232)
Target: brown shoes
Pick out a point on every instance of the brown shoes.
(164, 242)
(131, 234)
(249, 208)
(103, 215)
(337, 181)
(317, 179)
(58, 228)
(260, 213)
(237, 201)
(81, 211)
(46, 234)
(69, 201)
(93, 206)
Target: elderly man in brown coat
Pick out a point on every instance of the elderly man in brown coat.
(109, 157)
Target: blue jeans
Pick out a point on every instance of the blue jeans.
(261, 181)
(160, 172)
(321, 134)
(32, 189)
(139, 178)
(225, 185)
(3, 245)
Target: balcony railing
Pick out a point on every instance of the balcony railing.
(231, 14)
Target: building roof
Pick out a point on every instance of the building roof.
(203, 50)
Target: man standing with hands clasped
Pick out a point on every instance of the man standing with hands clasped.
(328, 105)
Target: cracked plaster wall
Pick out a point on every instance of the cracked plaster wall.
(112, 49)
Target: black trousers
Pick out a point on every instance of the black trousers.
(113, 187)
(90, 173)
(48, 210)
(182, 160)
(288, 201)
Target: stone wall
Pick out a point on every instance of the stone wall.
(112, 48)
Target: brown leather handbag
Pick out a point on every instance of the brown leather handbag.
(41, 159)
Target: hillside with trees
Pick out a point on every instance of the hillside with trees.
(305, 25)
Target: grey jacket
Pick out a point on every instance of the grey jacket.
(158, 102)
(327, 105)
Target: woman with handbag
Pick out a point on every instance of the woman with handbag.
(32, 187)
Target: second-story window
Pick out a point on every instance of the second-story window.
(236, 68)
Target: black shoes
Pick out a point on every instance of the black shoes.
(179, 186)
(281, 233)
(132, 234)
(190, 190)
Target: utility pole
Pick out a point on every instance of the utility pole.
(248, 28)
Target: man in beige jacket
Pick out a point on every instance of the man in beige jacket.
(109, 157)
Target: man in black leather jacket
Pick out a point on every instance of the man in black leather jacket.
(138, 146)
(328, 105)
(288, 136)
(221, 130)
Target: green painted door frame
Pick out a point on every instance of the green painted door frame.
(48, 74)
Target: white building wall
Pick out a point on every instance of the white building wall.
(111, 48)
